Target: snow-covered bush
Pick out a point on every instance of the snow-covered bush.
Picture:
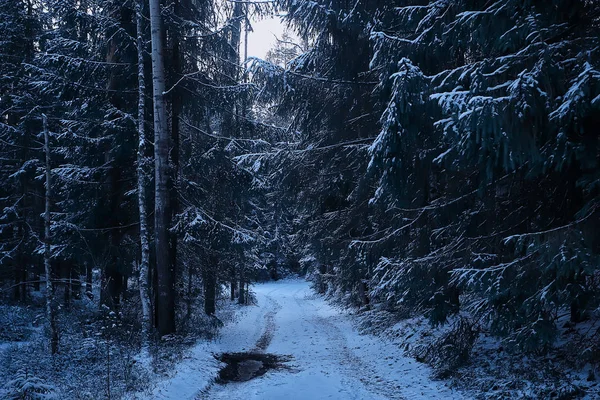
(27, 387)
(15, 323)
(451, 350)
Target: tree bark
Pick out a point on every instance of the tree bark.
(66, 270)
(36, 280)
(241, 295)
(210, 292)
(165, 308)
(88, 281)
(50, 312)
(209, 279)
(188, 297)
(143, 278)
(76, 281)
(176, 109)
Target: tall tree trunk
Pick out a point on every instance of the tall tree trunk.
(36, 279)
(188, 297)
(50, 312)
(65, 273)
(241, 295)
(209, 279)
(142, 181)
(210, 291)
(124, 286)
(88, 281)
(165, 308)
(76, 282)
(245, 73)
(236, 38)
(176, 108)
(19, 286)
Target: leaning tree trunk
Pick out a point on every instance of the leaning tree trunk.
(142, 181)
(165, 307)
(50, 312)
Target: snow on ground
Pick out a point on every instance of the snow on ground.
(330, 359)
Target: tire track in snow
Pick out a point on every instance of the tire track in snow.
(269, 330)
(353, 366)
(267, 314)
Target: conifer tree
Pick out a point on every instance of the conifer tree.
(165, 307)
(431, 163)
(20, 149)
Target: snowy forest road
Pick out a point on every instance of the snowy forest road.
(330, 360)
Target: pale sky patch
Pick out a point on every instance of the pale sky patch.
(263, 38)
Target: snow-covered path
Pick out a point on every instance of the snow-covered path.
(330, 359)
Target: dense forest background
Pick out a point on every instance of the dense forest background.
(415, 159)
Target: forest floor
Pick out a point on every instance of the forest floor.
(294, 345)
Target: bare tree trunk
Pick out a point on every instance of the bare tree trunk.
(76, 282)
(210, 291)
(241, 295)
(209, 278)
(246, 30)
(174, 150)
(236, 38)
(142, 181)
(236, 35)
(88, 281)
(50, 312)
(165, 307)
(245, 73)
(65, 274)
(188, 297)
(36, 279)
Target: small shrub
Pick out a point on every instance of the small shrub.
(27, 387)
(451, 350)
(15, 323)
